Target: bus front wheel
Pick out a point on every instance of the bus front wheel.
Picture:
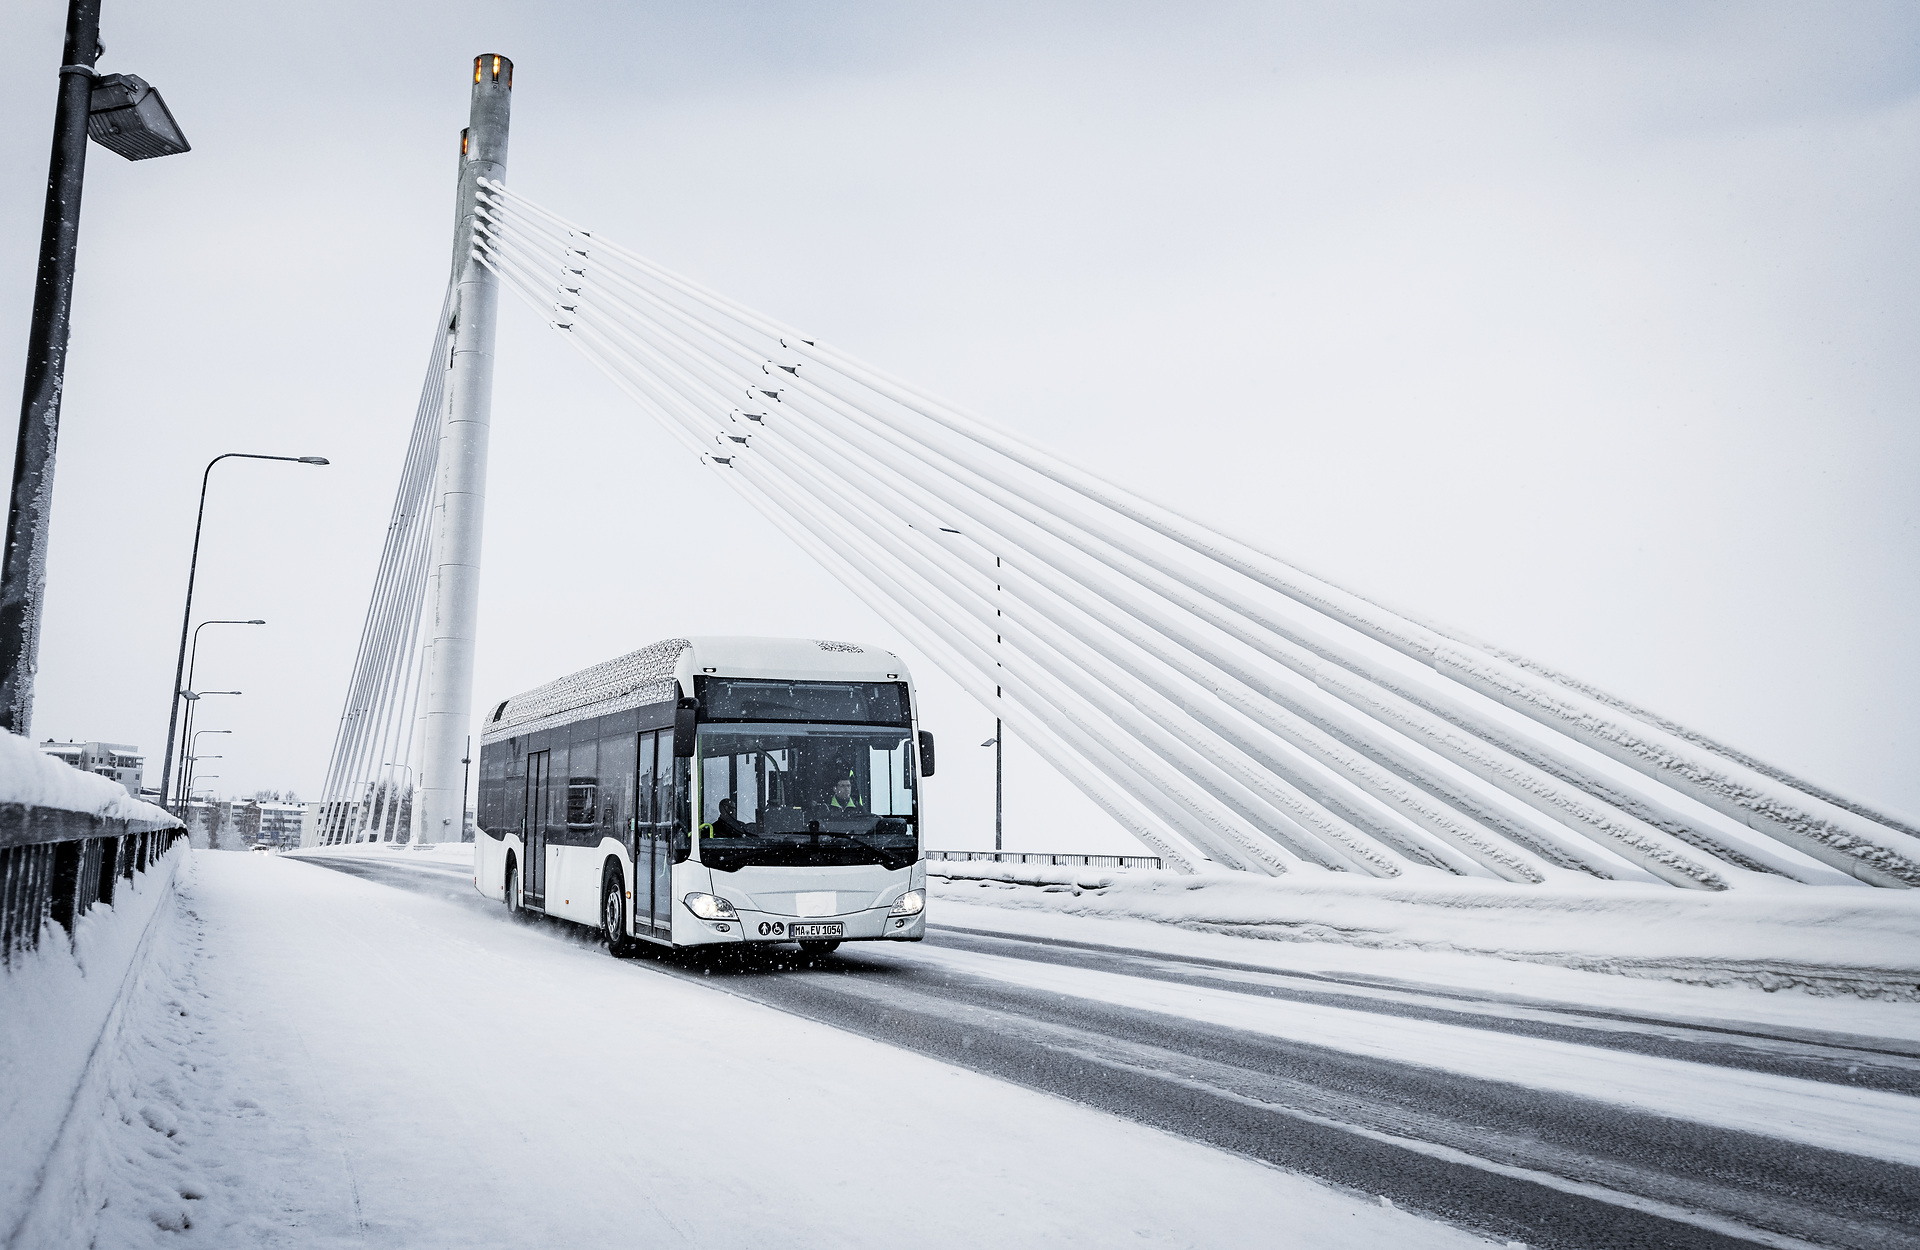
(613, 917)
(512, 892)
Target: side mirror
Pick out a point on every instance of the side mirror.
(926, 754)
(683, 729)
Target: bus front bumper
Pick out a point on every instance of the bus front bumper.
(875, 924)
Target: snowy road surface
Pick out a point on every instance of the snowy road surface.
(391, 1061)
(1540, 1126)
(318, 1060)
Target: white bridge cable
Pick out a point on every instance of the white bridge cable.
(385, 662)
(1248, 788)
(391, 665)
(1882, 849)
(1042, 730)
(1506, 863)
(1235, 786)
(1663, 859)
(1327, 751)
(384, 687)
(1181, 804)
(1662, 856)
(1517, 776)
(1503, 862)
(1700, 874)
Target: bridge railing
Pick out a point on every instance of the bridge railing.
(72, 862)
(64, 849)
(1046, 857)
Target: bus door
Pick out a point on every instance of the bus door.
(657, 751)
(533, 830)
(643, 839)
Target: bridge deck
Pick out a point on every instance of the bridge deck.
(318, 1059)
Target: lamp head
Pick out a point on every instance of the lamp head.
(314, 460)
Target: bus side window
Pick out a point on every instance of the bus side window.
(554, 811)
(643, 788)
(616, 784)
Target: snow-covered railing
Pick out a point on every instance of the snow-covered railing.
(1044, 857)
(1225, 706)
(68, 840)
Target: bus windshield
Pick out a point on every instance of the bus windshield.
(787, 795)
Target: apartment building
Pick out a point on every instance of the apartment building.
(117, 760)
(263, 823)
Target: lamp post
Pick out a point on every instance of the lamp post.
(390, 805)
(121, 113)
(193, 653)
(193, 698)
(186, 613)
(193, 745)
(998, 775)
(193, 657)
(211, 798)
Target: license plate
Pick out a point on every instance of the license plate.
(834, 930)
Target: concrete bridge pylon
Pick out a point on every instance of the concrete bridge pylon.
(460, 506)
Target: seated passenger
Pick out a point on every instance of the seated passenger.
(725, 825)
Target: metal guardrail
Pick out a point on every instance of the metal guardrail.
(1058, 861)
(56, 864)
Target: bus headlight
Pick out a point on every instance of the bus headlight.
(909, 904)
(710, 907)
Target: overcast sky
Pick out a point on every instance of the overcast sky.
(1588, 329)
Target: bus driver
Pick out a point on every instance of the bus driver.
(843, 796)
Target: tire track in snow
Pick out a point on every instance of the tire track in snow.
(1840, 1059)
(1544, 1168)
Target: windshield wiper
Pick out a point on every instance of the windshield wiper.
(835, 833)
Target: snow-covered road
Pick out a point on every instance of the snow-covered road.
(319, 1060)
(427, 1072)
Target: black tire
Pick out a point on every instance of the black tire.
(513, 888)
(819, 947)
(613, 915)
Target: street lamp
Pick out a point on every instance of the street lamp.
(186, 614)
(193, 745)
(127, 116)
(390, 804)
(193, 655)
(193, 659)
(998, 776)
(193, 698)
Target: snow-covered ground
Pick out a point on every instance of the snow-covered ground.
(311, 1059)
(1824, 941)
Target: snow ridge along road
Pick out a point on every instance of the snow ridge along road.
(1543, 1123)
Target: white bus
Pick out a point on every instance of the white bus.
(801, 760)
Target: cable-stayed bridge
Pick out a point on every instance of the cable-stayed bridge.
(1224, 706)
(1489, 1054)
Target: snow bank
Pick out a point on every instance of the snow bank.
(61, 1007)
(1822, 941)
(31, 777)
(460, 853)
